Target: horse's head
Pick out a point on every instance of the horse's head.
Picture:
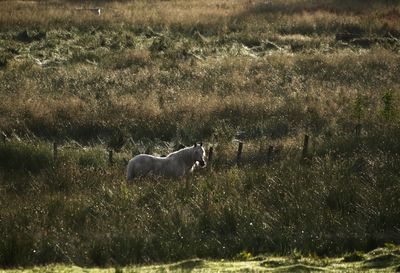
(199, 154)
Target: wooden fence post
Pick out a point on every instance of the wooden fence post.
(269, 154)
(210, 157)
(148, 150)
(55, 147)
(110, 157)
(358, 129)
(305, 147)
(239, 153)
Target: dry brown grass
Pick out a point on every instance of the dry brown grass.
(210, 17)
(136, 14)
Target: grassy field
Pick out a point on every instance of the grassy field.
(151, 75)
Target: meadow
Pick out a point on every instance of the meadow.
(152, 75)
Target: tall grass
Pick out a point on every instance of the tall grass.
(88, 215)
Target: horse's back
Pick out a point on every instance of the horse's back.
(141, 165)
(135, 164)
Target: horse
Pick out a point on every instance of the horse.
(174, 165)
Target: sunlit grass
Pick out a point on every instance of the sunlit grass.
(258, 264)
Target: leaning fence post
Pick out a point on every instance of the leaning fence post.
(55, 146)
(110, 157)
(239, 153)
(269, 154)
(305, 147)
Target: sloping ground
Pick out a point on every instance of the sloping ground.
(379, 260)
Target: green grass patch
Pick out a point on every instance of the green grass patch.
(24, 157)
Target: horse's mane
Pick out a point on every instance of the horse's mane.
(179, 152)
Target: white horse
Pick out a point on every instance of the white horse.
(175, 164)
